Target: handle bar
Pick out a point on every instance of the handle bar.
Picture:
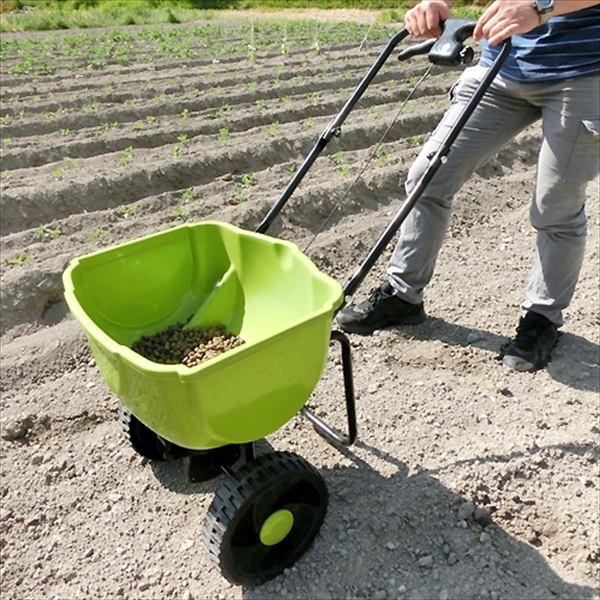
(448, 50)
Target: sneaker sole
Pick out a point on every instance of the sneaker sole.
(356, 328)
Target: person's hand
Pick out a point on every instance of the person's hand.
(423, 20)
(505, 18)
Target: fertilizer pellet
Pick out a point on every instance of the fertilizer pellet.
(190, 347)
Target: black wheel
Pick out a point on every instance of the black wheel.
(264, 517)
(142, 439)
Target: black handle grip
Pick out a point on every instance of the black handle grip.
(448, 50)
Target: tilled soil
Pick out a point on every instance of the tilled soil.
(466, 481)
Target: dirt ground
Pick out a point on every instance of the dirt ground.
(466, 481)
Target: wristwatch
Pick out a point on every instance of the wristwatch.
(544, 9)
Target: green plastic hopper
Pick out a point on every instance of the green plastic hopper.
(262, 289)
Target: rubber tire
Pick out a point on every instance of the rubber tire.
(230, 529)
(142, 439)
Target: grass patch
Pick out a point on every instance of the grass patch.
(43, 15)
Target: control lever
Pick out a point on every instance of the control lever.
(448, 50)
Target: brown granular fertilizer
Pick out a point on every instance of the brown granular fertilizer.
(190, 347)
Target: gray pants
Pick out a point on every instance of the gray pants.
(568, 160)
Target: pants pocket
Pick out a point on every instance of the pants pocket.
(584, 164)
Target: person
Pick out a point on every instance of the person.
(552, 74)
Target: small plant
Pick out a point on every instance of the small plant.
(314, 96)
(4, 174)
(337, 158)
(345, 170)
(182, 137)
(224, 136)
(181, 213)
(138, 126)
(272, 128)
(69, 162)
(415, 140)
(150, 119)
(5, 119)
(219, 112)
(47, 233)
(258, 104)
(7, 141)
(252, 86)
(309, 123)
(58, 173)
(291, 168)
(286, 100)
(240, 193)
(20, 260)
(98, 234)
(188, 194)
(176, 150)
(248, 179)
(128, 210)
(381, 154)
(185, 113)
(65, 132)
(127, 156)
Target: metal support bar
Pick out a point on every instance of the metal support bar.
(330, 434)
(333, 129)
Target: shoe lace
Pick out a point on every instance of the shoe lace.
(376, 295)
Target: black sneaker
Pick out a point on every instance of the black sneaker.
(531, 348)
(381, 309)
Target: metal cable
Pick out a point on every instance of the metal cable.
(369, 159)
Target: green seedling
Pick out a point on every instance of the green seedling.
(240, 193)
(4, 174)
(20, 260)
(176, 150)
(181, 213)
(69, 162)
(128, 210)
(65, 132)
(98, 234)
(5, 119)
(337, 157)
(252, 86)
(291, 168)
(286, 100)
(345, 170)
(217, 114)
(47, 233)
(182, 137)
(258, 104)
(7, 141)
(248, 179)
(309, 123)
(314, 96)
(415, 140)
(150, 119)
(224, 136)
(272, 129)
(138, 126)
(185, 113)
(127, 156)
(58, 173)
(188, 194)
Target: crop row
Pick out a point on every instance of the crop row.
(38, 54)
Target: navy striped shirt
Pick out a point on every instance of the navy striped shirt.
(565, 47)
